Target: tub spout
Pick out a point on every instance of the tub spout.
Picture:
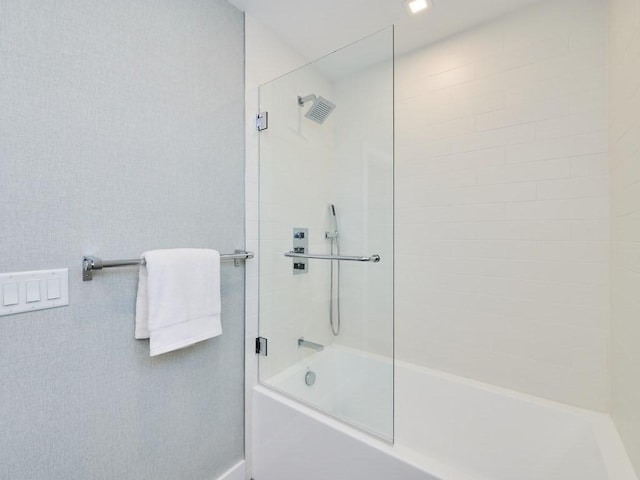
(312, 345)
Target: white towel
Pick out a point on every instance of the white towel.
(178, 302)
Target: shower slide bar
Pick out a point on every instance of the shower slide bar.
(340, 258)
(91, 264)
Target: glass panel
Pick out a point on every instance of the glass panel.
(326, 172)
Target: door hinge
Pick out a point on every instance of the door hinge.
(262, 121)
(261, 346)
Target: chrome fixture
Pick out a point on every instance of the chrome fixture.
(262, 121)
(338, 258)
(310, 378)
(300, 246)
(334, 237)
(320, 109)
(261, 346)
(91, 264)
(312, 345)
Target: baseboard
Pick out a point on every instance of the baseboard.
(234, 473)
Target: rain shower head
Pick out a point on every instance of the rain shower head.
(320, 109)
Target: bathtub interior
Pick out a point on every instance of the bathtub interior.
(349, 385)
(494, 434)
(481, 431)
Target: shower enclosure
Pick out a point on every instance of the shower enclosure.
(326, 234)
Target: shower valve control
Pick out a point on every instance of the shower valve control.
(300, 245)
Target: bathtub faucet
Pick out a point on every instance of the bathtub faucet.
(314, 346)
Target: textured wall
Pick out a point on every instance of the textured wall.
(121, 130)
(624, 138)
(502, 205)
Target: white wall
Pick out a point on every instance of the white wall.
(624, 137)
(267, 57)
(502, 203)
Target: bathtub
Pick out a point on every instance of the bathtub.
(446, 428)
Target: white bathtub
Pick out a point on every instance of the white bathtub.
(446, 428)
(363, 382)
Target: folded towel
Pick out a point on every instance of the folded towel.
(178, 302)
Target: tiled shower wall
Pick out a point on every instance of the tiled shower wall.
(295, 175)
(502, 202)
(624, 78)
(502, 207)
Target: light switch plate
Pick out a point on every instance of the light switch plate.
(33, 290)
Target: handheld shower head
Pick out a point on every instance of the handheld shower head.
(334, 222)
(320, 109)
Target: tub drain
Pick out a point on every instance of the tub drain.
(310, 378)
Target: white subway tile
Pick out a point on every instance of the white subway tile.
(450, 78)
(581, 208)
(592, 143)
(531, 92)
(521, 114)
(570, 125)
(495, 138)
(526, 172)
(579, 62)
(524, 55)
(525, 230)
(481, 104)
(556, 250)
(541, 150)
(582, 187)
(437, 131)
(589, 165)
(494, 83)
(592, 230)
(585, 100)
(507, 192)
(481, 248)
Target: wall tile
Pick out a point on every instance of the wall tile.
(503, 225)
(624, 131)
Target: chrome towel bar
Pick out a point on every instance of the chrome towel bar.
(339, 258)
(91, 264)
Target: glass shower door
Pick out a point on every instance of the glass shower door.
(326, 234)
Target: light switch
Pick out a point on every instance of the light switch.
(53, 288)
(10, 294)
(33, 291)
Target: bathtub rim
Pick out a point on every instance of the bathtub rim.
(436, 468)
(614, 456)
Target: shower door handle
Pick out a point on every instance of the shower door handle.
(339, 258)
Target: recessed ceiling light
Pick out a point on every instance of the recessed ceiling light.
(417, 6)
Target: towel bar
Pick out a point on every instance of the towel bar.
(91, 264)
(343, 258)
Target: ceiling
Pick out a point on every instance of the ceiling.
(316, 28)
